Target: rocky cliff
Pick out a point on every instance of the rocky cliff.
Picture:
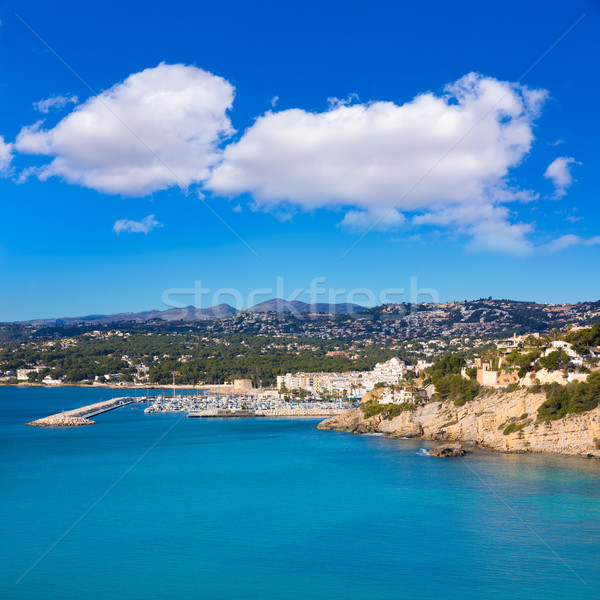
(505, 422)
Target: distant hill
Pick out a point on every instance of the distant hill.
(191, 313)
(187, 313)
(279, 305)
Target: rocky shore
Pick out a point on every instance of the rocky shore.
(504, 422)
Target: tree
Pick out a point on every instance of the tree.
(557, 359)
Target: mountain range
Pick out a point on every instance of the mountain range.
(191, 313)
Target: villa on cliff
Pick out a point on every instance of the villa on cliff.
(410, 395)
(498, 371)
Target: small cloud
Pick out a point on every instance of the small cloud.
(558, 142)
(274, 101)
(559, 172)
(411, 239)
(55, 102)
(6, 155)
(237, 208)
(337, 102)
(566, 241)
(25, 174)
(359, 221)
(145, 226)
(573, 219)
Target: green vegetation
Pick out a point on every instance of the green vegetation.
(575, 397)
(449, 384)
(556, 360)
(584, 339)
(447, 365)
(472, 373)
(524, 361)
(193, 358)
(512, 428)
(389, 411)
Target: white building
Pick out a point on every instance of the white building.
(351, 383)
(403, 396)
(23, 374)
(568, 349)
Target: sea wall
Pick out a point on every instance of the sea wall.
(77, 416)
(483, 421)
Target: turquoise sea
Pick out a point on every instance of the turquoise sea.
(160, 506)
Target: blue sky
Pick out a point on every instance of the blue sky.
(367, 143)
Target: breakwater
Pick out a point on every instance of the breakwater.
(80, 416)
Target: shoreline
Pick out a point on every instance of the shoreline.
(504, 423)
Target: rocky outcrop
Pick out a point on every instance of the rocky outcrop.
(61, 420)
(505, 422)
(448, 450)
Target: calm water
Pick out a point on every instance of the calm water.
(156, 506)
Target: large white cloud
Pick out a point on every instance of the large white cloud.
(159, 128)
(445, 158)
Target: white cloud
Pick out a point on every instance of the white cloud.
(364, 220)
(445, 157)
(57, 102)
(559, 172)
(334, 102)
(488, 226)
(145, 226)
(6, 155)
(566, 241)
(159, 128)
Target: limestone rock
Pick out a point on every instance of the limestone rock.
(448, 450)
(483, 421)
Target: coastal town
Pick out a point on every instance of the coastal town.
(521, 382)
(263, 346)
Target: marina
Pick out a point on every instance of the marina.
(197, 406)
(235, 406)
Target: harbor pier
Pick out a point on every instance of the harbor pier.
(81, 416)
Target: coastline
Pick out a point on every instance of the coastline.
(501, 422)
